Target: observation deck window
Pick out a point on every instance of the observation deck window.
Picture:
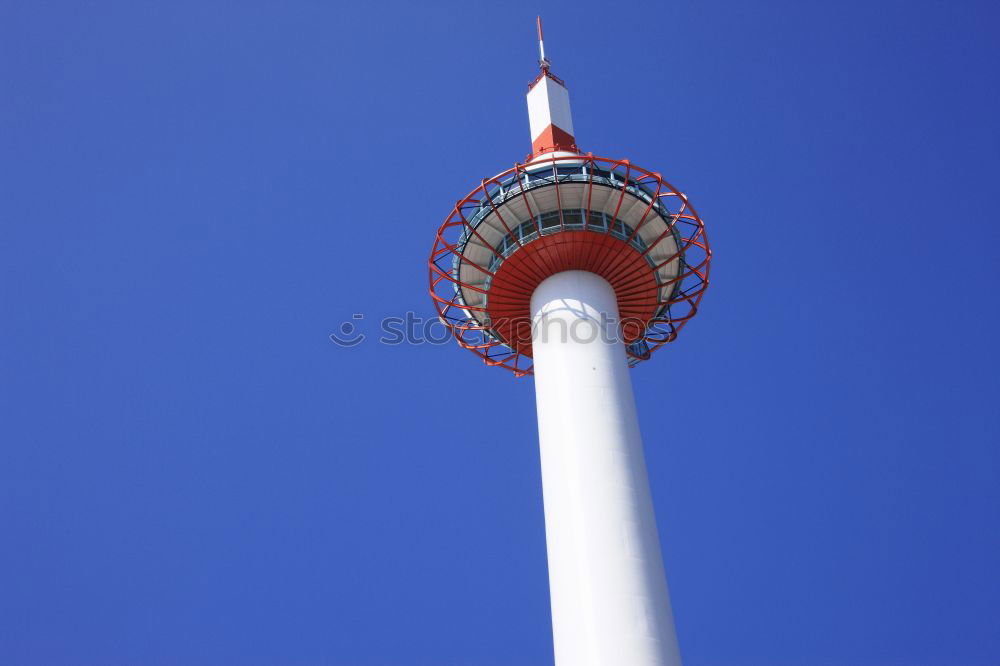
(572, 218)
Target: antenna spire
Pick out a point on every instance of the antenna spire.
(543, 62)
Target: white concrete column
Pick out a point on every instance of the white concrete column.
(610, 604)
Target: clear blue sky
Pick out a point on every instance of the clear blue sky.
(194, 195)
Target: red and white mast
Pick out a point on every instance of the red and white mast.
(548, 110)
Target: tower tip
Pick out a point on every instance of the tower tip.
(543, 62)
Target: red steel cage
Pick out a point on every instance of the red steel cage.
(568, 212)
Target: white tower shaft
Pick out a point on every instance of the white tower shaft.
(610, 603)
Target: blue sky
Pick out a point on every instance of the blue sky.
(194, 195)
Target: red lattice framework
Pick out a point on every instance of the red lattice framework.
(653, 311)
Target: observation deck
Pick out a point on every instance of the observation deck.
(568, 212)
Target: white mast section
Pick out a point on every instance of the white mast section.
(610, 604)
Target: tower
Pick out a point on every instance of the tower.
(573, 267)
